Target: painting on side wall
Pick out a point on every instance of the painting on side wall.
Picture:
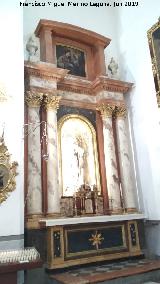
(71, 59)
(154, 46)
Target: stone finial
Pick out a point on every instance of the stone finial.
(32, 48)
(106, 110)
(113, 67)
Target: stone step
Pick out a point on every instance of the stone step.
(135, 271)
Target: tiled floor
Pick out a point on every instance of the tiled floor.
(104, 272)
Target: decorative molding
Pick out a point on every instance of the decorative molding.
(33, 99)
(44, 70)
(52, 102)
(74, 84)
(112, 85)
(102, 83)
(79, 89)
(106, 110)
(96, 239)
(7, 172)
(76, 33)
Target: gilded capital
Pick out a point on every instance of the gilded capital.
(52, 102)
(120, 111)
(33, 99)
(106, 110)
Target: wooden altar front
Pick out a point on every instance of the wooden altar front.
(91, 239)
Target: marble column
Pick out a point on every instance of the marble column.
(124, 159)
(110, 160)
(34, 195)
(52, 104)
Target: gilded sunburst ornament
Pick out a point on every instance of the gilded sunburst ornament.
(96, 240)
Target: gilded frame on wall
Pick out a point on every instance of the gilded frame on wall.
(78, 156)
(7, 172)
(154, 46)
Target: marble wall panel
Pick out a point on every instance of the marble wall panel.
(34, 198)
(52, 164)
(125, 164)
(111, 165)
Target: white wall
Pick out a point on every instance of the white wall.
(135, 62)
(12, 113)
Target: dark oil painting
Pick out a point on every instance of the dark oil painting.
(71, 59)
(156, 42)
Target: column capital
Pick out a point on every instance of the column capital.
(120, 111)
(106, 110)
(33, 99)
(52, 102)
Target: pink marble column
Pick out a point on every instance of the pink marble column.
(52, 103)
(110, 160)
(124, 159)
(34, 195)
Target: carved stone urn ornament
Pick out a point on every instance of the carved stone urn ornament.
(7, 172)
(113, 67)
(32, 48)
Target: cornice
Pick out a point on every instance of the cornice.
(72, 32)
(102, 83)
(76, 85)
(111, 85)
(44, 70)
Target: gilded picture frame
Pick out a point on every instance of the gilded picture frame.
(7, 172)
(154, 46)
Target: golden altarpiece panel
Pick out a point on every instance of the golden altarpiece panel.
(77, 176)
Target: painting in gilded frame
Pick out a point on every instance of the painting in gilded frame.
(72, 59)
(154, 46)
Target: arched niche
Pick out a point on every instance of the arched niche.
(78, 158)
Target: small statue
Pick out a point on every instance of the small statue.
(32, 48)
(113, 67)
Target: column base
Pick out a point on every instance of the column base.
(131, 210)
(35, 216)
(32, 221)
(119, 211)
(53, 215)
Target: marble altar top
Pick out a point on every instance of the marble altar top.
(90, 219)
